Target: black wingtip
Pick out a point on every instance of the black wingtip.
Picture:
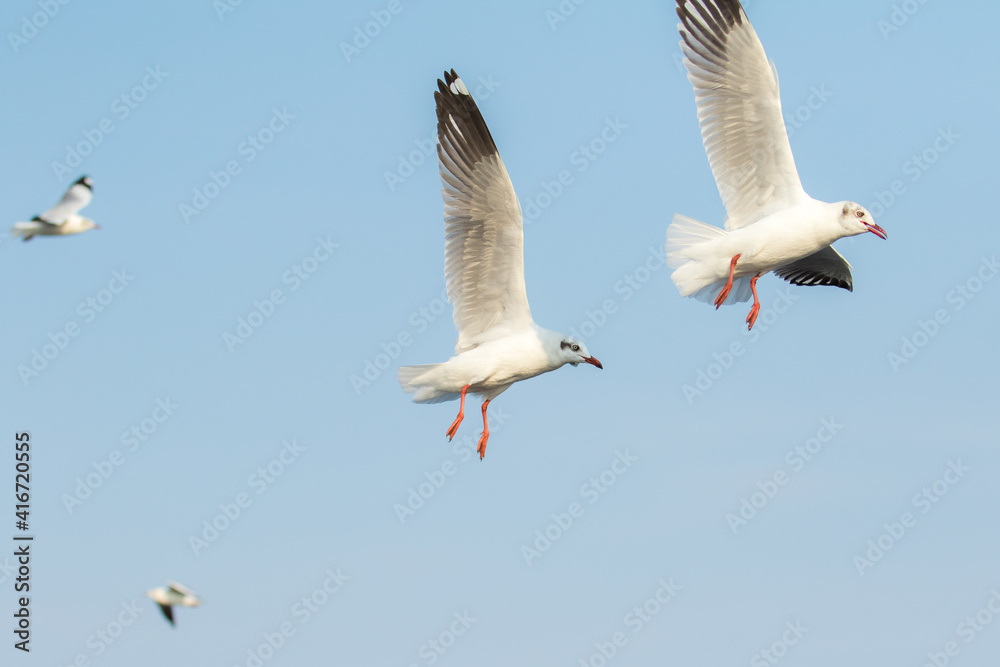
(719, 16)
(168, 613)
(463, 135)
(447, 79)
(808, 280)
(444, 86)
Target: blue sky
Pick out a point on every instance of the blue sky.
(319, 223)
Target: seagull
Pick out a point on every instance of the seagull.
(62, 218)
(173, 594)
(498, 342)
(771, 223)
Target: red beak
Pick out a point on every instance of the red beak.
(594, 362)
(877, 231)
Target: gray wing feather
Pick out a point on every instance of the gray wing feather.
(180, 589)
(78, 196)
(484, 237)
(739, 110)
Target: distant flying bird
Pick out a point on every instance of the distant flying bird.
(498, 342)
(173, 594)
(771, 223)
(62, 218)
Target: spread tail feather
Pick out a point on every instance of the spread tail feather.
(741, 292)
(691, 261)
(685, 233)
(410, 379)
(25, 230)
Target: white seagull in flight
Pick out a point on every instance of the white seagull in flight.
(173, 594)
(771, 223)
(63, 218)
(498, 342)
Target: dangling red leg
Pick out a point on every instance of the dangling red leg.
(719, 300)
(453, 429)
(752, 317)
(486, 433)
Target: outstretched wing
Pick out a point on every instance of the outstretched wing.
(180, 590)
(168, 611)
(739, 110)
(826, 267)
(78, 196)
(484, 256)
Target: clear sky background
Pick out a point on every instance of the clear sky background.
(868, 104)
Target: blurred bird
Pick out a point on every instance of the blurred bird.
(498, 342)
(771, 223)
(173, 594)
(63, 218)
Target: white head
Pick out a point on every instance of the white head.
(856, 219)
(79, 224)
(174, 595)
(158, 595)
(572, 351)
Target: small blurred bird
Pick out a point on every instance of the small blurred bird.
(62, 218)
(173, 594)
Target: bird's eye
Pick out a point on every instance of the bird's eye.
(576, 348)
(860, 214)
